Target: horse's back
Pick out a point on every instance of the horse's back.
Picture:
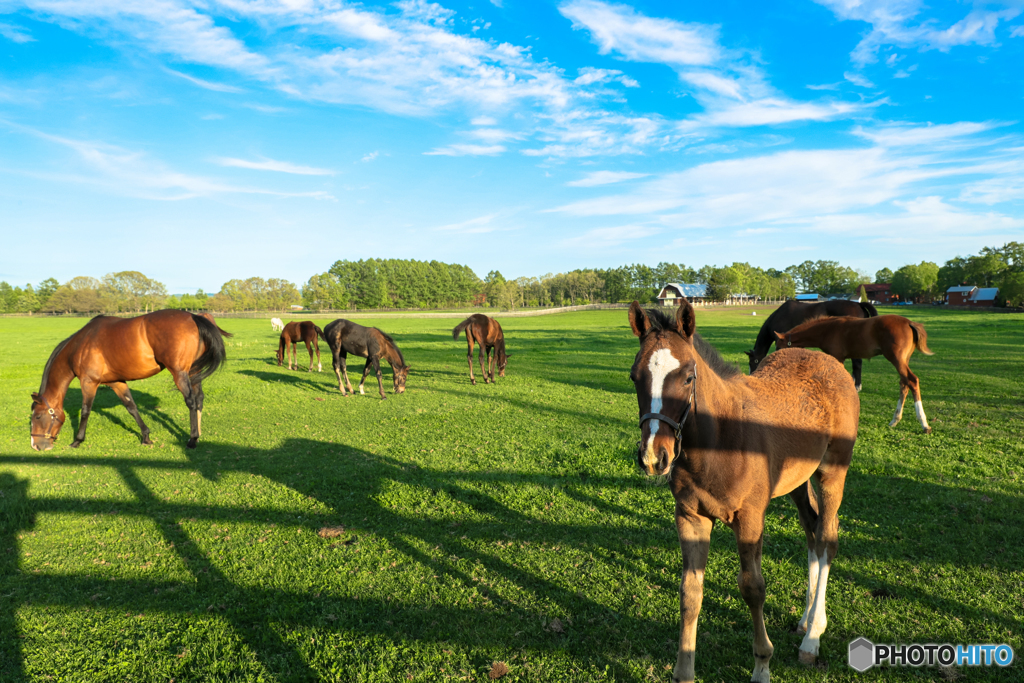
(121, 349)
(809, 389)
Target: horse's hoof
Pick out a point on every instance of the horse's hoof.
(191, 443)
(927, 430)
(147, 442)
(807, 658)
(76, 443)
(859, 387)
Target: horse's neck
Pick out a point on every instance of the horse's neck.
(765, 337)
(714, 400)
(58, 378)
(391, 354)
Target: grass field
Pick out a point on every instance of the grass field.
(474, 525)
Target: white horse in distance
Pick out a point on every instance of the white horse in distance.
(277, 324)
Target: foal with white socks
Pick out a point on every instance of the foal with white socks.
(729, 444)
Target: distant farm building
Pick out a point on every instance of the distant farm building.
(969, 295)
(673, 293)
(878, 294)
(960, 296)
(985, 296)
(809, 298)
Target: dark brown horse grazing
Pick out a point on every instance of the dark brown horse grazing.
(295, 332)
(730, 443)
(113, 351)
(892, 336)
(792, 313)
(345, 337)
(486, 332)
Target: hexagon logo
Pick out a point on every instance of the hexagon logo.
(861, 654)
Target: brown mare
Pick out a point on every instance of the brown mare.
(729, 444)
(345, 337)
(792, 313)
(295, 332)
(486, 332)
(892, 336)
(113, 351)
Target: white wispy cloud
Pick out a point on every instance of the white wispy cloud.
(605, 178)
(17, 34)
(272, 165)
(371, 156)
(729, 84)
(899, 22)
(604, 238)
(208, 85)
(920, 182)
(124, 172)
(858, 79)
(461, 150)
(481, 224)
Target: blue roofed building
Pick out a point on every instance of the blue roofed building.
(673, 293)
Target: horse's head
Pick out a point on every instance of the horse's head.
(755, 357)
(502, 362)
(400, 375)
(664, 374)
(45, 423)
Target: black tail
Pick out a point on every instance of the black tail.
(212, 338)
(869, 310)
(460, 327)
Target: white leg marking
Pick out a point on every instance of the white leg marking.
(899, 413)
(818, 620)
(921, 417)
(661, 364)
(319, 367)
(361, 390)
(812, 587)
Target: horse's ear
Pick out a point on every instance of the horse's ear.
(780, 336)
(750, 354)
(638, 319)
(686, 323)
(35, 397)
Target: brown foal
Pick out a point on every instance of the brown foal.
(892, 336)
(295, 332)
(486, 332)
(729, 444)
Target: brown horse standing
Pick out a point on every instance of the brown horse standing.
(113, 351)
(892, 336)
(730, 443)
(793, 312)
(345, 337)
(486, 332)
(295, 332)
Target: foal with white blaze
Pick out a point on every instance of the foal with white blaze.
(730, 443)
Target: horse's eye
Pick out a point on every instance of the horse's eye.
(689, 380)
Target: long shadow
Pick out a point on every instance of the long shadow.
(107, 405)
(288, 377)
(350, 481)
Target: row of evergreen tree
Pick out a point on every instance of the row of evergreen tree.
(401, 283)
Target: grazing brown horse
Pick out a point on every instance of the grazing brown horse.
(792, 313)
(892, 336)
(113, 351)
(486, 332)
(345, 337)
(729, 444)
(295, 332)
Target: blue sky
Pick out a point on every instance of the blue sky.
(203, 141)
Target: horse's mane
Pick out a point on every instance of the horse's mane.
(393, 345)
(723, 368)
(49, 364)
(818, 318)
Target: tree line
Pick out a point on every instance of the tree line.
(407, 283)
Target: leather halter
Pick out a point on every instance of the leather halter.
(53, 416)
(677, 427)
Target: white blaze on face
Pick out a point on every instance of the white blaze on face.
(662, 362)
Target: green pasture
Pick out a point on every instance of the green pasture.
(424, 538)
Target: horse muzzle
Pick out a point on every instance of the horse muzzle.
(41, 443)
(655, 461)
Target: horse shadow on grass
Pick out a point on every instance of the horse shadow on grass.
(303, 380)
(509, 615)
